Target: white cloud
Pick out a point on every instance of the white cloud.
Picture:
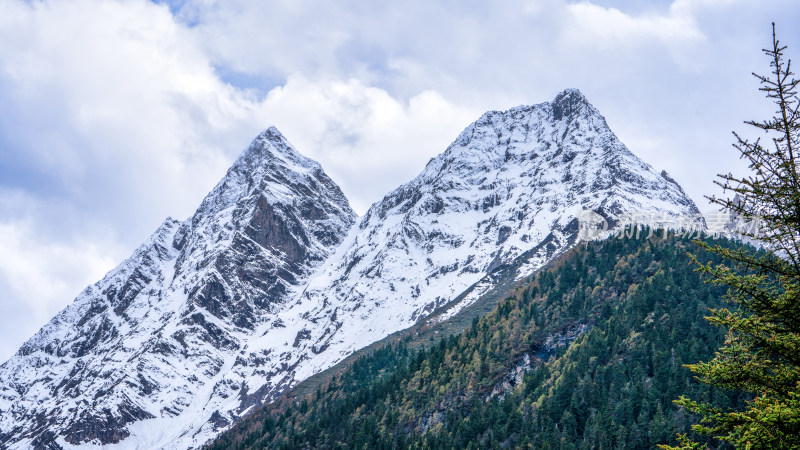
(611, 28)
(111, 118)
(116, 114)
(114, 95)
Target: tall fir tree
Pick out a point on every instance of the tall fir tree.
(761, 354)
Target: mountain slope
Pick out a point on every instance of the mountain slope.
(156, 336)
(269, 282)
(506, 192)
(588, 353)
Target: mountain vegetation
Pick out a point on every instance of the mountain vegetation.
(587, 353)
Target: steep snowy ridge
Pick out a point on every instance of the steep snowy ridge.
(153, 339)
(270, 282)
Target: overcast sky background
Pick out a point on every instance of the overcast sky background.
(117, 114)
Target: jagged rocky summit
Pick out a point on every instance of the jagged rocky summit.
(142, 354)
(271, 280)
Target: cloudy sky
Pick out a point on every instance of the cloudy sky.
(117, 114)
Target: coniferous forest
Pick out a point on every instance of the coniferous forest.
(588, 353)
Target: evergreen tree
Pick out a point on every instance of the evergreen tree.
(761, 354)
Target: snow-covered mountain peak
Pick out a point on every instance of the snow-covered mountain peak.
(154, 340)
(564, 146)
(570, 103)
(269, 283)
(276, 197)
(270, 149)
(504, 196)
(270, 166)
(569, 111)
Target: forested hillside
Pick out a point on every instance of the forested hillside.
(587, 353)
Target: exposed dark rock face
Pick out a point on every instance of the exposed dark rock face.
(218, 421)
(107, 427)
